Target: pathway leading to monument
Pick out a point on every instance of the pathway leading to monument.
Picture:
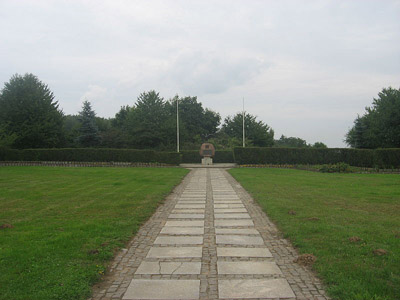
(208, 241)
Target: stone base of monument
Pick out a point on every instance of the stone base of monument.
(206, 161)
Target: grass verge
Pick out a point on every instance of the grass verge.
(67, 223)
(329, 209)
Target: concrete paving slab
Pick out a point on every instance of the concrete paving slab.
(186, 216)
(254, 288)
(182, 230)
(239, 240)
(192, 200)
(179, 240)
(164, 268)
(188, 211)
(243, 252)
(190, 206)
(174, 252)
(233, 223)
(162, 289)
(246, 231)
(185, 223)
(232, 216)
(247, 267)
(222, 205)
(229, 210)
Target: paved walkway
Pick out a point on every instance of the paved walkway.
(208, 241)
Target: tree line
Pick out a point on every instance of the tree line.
(30, 117)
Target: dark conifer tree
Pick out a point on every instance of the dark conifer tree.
(89, 133)
(29, 114)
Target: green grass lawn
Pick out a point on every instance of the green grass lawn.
(67, 223)
(347, 205)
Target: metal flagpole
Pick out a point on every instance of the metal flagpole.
(243, 126)
(177, 124)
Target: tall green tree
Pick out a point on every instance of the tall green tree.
(291, 142)
(88, 131)
(197, 124)
(29, 113)
(379, 127)
(257, 133)
(146, 122)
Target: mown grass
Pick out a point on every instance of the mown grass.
(346, 205)
(68, 222)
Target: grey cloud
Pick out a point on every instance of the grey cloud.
(213, 73)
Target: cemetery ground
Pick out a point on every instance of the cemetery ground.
(341, 219)
(60, 226)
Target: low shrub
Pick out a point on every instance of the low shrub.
(336, 168)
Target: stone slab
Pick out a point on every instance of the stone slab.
(239, 240)
(165, 268)
(175, 252)
(183, 230)
(228, 201)
(186, 216)
(247, 268)
(243, 252)
(190, 206)
(233, 223)
(232, 216)
(222, 205)
(246, 231)
(188, 211)
(254, 288)
(185, 223)
(186, 201)
(179, 240)
(162, 289)
(229, 210)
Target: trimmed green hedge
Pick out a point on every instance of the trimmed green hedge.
(223, 156)
(90, 155)
(383, 158)
(193, 156)
(387, 158)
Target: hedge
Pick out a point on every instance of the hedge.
(193, 156)
(387, 158)
(90, 155)
(383, 158)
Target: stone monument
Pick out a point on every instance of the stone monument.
(207, 152)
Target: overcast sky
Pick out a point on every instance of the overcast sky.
(306, 68)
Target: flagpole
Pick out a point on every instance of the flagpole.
(177, 124)
(243, 126)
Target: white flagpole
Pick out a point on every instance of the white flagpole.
(177, 124)
(243, 126)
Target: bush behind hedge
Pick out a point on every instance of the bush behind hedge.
(383, 158)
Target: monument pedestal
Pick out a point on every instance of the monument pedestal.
(206, 161)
